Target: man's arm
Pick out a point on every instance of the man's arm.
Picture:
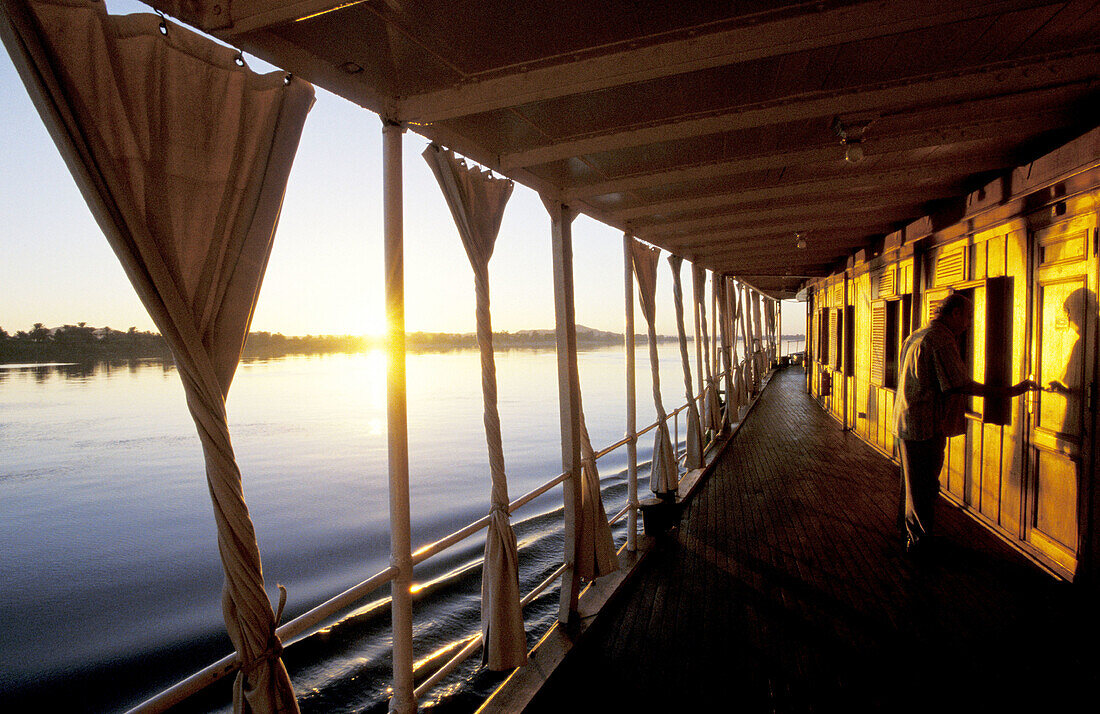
(977, 389)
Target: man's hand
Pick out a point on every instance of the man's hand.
(1025, 386)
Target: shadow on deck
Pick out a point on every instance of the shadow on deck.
(786, 589)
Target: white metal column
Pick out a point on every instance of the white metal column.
(714, 278)
(698, 338)
(631, 403)
(403, 700)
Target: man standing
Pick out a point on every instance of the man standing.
(930, 406)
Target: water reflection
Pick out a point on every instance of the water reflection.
(85, 370)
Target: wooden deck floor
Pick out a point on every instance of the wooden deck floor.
(786, 589)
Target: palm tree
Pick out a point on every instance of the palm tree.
(40, 333)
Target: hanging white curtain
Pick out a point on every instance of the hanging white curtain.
(758, 336)
(595, 545)
(734, 400)
(769, 322)
(712, 416)
(737, 377)
(746, 334)
(664, 473)
(477, 202)
(183, 158)
(729, 414)
(694, 458)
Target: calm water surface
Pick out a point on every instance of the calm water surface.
(109, 560)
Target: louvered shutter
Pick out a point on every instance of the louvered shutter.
(878, 344)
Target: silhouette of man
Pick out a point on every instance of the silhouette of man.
(930, 406)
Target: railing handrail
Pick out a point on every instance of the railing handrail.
(299, 625)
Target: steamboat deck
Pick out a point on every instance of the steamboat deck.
(786, 588)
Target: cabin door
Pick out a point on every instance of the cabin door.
(1064, 317)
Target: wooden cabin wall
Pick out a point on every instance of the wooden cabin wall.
(1018, 253)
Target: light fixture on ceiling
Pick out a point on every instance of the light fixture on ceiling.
(799, 241)
(851, 137)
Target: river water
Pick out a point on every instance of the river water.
(111, 580)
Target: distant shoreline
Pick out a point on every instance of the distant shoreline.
(81, 343)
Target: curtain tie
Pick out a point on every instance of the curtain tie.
(274, 646)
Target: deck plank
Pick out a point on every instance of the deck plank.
(786, 588)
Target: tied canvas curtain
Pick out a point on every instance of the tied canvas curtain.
(712, 417)
(477, 202)
(769, 325)
(664, 473)
(744, 320)
(729, 414)
(773, 329)
(595, 545)
(743, 371)
(758, 336)
(183, 157)
(694, 458)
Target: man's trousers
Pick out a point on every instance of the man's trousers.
(921, 462)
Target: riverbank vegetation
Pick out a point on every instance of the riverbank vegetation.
(83, 343)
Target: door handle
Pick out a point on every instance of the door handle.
(1032, 397)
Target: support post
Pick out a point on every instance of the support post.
(811, 335)
(561, 219)
(403, 700)
(779, 328)
(631, 403)
(714, 278)
(698, 339)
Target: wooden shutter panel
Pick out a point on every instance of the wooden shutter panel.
(878, 344)
(950, 268)
(834, 338)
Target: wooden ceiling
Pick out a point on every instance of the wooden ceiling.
(711, 129)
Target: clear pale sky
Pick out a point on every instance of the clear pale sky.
(325, 273)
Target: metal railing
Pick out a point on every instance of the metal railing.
(305, 622)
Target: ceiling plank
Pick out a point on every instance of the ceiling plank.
(1001, 78)
(806, 267)
(752, 249)
(808, 206)
(1002, 127)
(685, 230)
(946, 173)
(768, 38)
(775, 233)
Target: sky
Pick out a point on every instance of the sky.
(325, 273)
